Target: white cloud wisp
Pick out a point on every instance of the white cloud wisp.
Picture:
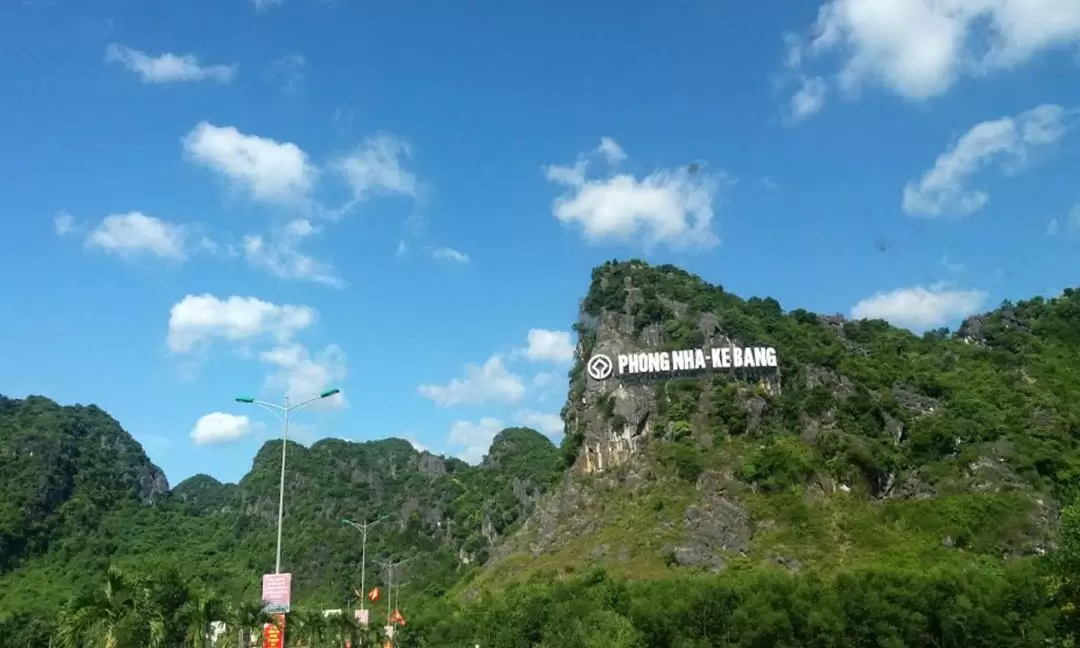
(168, 68)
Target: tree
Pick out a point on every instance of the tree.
(119, 610)
(197, 616)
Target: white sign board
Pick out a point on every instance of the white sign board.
(361, 617)
(602, 367)
(276, 592)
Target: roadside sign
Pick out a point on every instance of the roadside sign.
(272, 636)
(276, 592)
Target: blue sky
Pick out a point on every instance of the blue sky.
(404, 200)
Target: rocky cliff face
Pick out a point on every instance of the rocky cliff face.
(859, 424)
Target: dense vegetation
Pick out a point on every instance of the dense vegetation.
(78, 495)
(880, 489)
(869, 446)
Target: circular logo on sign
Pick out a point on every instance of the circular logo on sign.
(599, 367)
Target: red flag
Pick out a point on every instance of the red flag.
(373, 595)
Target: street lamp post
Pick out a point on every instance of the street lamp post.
(363, 528)
(390, 567)
(284, 418)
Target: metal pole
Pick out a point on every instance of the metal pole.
(363, 527)
(363, 566)
(281, 488)
(390, 587)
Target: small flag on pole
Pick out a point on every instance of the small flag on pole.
(373, 595)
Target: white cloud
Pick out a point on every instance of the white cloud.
(270, 171)
(809, 99)
(450, 254)
(167, 68)
(919, 307)
(198, 319)
(610, 149)
(64, 223)
(282, 257)
(219, 427)
(266, 5)
(673, 207)
(549, 346)
(1053, 228)
(376, 167)
(489, 383)
(476, 437)
(301, 375)
(1008, 141)
(133, 234)
(547, 424)
(918, 49)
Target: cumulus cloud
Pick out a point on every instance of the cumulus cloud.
(671, 207)
(136, 234)
(918, 49)
(248, 323)
(490, 383)
(196, 320)
(549, 346)
(920, 307)
(218, 427)
(610, 149)
(1007, 142)
(301, 375)
(476, 437)
(268, 170)
(276, 172)
(167, 68)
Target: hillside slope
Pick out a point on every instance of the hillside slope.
(78, 493)
(866, 443)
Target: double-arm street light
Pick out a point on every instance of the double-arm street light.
(282, 412)
(390, 566)
(363, 527)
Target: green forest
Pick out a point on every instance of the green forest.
(880, 489)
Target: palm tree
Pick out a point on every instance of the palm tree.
(98, 617)
(342, 628)
(198, 614)
(372, 635)
(243, 620)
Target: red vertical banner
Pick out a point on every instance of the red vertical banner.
(272, 636)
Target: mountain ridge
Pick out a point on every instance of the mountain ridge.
(862, 423)
(868, 444)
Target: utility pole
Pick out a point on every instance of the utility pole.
(363, 527)
(396, 593)
(284, 417)
(390, 567)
